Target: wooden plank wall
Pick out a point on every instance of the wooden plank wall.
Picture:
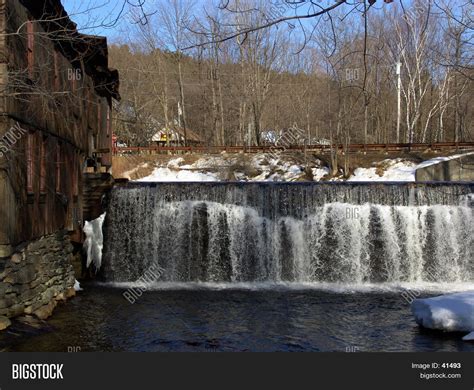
(57, 101)
(57, 110)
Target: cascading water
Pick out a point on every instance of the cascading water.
(298, 232)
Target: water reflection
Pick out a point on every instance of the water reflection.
(100, 319)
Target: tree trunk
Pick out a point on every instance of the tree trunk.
(181, 93)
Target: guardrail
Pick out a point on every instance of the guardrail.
(352, 148)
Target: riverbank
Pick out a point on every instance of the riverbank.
(287, 166)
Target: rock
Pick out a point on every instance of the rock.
(38, 281)
(7, 300)
(36, 276)
(32, 307)
(45, 311)
(15, 310)
(48, 295)
(7, 271)
(23, 276)
(31, 321)
(60, 297)
(4, 322)
(5, 250)
(6, 288)
(34, 292)
(70, 292)
(16, 258)
(36, 246)
(33, 259)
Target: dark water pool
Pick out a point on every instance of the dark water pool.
(100, 319)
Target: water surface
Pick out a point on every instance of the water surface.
(235, 319)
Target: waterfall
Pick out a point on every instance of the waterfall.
(305, 233)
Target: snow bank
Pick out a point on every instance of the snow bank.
(94, 241)
(174, 163)
(275, 169)
(268, 167)
(319, 173)
(210, 169)
(167, 174)
(437, 160)
(396, 170)
(469, 337)
(175, 171)
(451, 313)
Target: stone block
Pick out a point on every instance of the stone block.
(15, 310)
(5, 250)
(70, 292)
(4, 322)
(45, 311)
(23, 276)
(17, 258)
(36, 277)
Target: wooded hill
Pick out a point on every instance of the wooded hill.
(339, 84)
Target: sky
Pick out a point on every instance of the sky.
(109, 18)
(97, 17)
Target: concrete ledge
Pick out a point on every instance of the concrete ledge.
(458, 169)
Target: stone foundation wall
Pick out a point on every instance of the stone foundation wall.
(36, 277)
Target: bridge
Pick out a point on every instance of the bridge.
(350, 148)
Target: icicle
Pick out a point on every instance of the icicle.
(93, 243)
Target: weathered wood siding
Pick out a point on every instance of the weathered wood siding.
(65, 122)
(56, 101)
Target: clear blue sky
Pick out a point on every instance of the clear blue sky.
(108, 18)
(97, 16)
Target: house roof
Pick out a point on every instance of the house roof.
(78, 48)
(190, 134)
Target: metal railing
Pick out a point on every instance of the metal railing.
(352, 148)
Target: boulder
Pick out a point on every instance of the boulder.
(4, 322)
(16, 258)
(45, 311)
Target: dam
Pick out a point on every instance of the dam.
(295, 233)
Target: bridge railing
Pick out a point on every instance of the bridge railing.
(352, 148)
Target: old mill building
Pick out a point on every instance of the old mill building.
(56, 95)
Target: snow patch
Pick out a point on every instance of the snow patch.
(437, 160)
(396, 170)
(469, 337)
(94, 241)
(77, 286)
(267, 167)
(174, 163)
(319, 173)
(171, 175)
(451, 313)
